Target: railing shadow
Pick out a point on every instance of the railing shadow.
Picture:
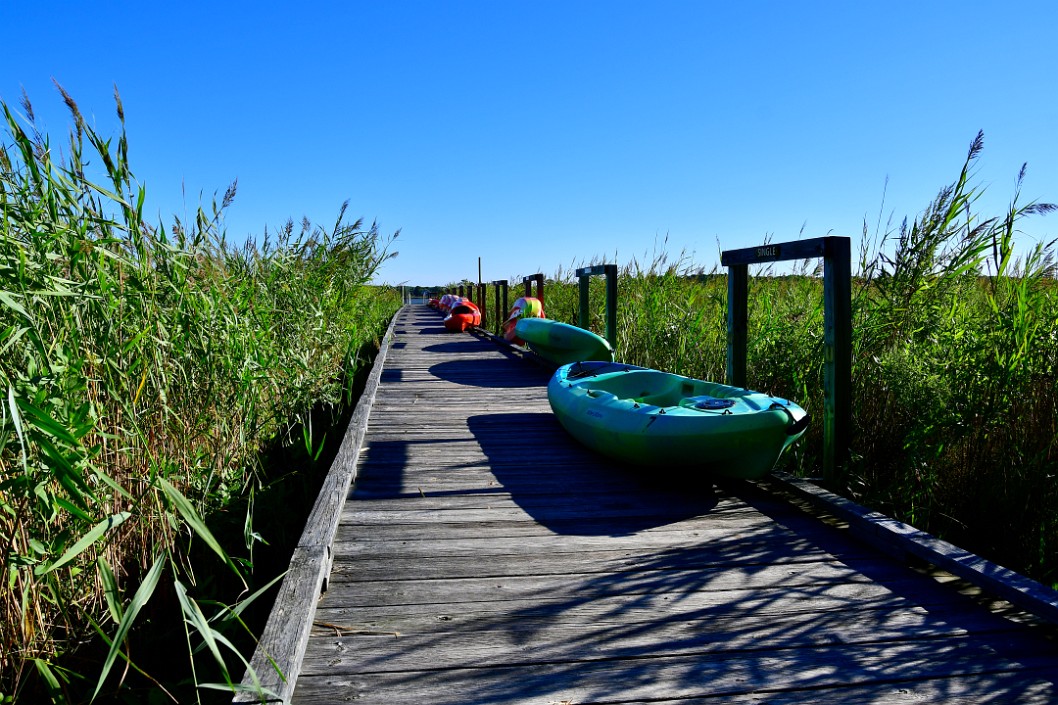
(766, 602)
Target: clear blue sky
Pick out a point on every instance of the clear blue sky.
(540, 134)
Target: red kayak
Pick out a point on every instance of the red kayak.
(462, 316)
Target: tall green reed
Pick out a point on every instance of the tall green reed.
(955, 356)
(141, 370)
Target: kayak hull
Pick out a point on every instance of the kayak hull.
(653, 418)
(524, 307)
(463, 315)
(562, 343)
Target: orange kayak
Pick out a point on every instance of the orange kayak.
(462, 316)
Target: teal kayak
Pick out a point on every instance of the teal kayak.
(649, 417)
(562, 343)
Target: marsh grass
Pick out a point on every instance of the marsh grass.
(955, 365)
(143, 369)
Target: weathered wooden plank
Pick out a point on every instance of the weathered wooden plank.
(745, 605)
(527, 529)
(524, 529)
(277, 659)
(545, 562)
(780, 579)
(505, 641)
(615, 515)
(354, 546)
(750, 605)
(468, 478)
(1025, 687)
(695, 675)
(495, 498)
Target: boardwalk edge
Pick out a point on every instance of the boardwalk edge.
(902, 540)
(277, 659)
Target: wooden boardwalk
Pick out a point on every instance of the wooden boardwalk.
(486, 558)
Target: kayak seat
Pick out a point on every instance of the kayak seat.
(704, 402)
(643, 387)
(664, 397)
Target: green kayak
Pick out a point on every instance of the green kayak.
(562, 343)
(649, 417)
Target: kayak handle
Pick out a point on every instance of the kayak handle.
(797, 426)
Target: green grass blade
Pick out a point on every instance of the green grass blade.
(85, 541)
(7, 299)
(110, 590)
(264, 694)
(194, 617)
(244, 603)
(51, 681)
(237, 687)
(184, 508)
(16, 419)
(111, 483)
(142, 596)
(132, 664)
(73, 509)
(43, 421)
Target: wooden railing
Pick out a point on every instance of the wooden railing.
(837, 334)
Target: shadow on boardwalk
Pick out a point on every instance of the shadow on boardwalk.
(776, 609)
(504, 563)
(523, 450)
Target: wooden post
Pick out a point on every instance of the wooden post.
(506, 303)
(500, 310)
(837, 371)
(583, 275)
(539, 279)
(837, 334)
(737, 323)
(584, 279)
(611, 304)
(482, 305)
